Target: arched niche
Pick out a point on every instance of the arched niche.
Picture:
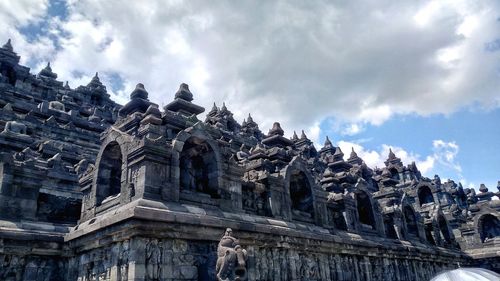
(301, 196)
(429, 234)
(109, 173)
(365, 209)
(10, 74)
(390, 230)
(394, 174)
(338, 219)
(411, 221)
(489, 227)
(425, 195)
(198, 167)
(96, 98)
(443, 228)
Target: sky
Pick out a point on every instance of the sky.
(420, 77)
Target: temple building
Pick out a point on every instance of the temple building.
(94, 190)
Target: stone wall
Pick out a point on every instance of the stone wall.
(147, 259)
(148, 241)
(177, 259)
(290, 264)
(31, 267)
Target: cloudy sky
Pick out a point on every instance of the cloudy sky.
(422, 77)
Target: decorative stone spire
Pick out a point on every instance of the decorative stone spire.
(95, 79)
(391, 154)
(212, 115)
(138, 93)
(276, 130)
(7, 54)
(184, 93)
(328, 180)
(353, 153)
(303, 136)
(338, 153)
(8, 46)
(97, 90)
(138, 101)
(95, 84)
(182, 102)
(152, 116)
(483, 188)
(66, 85)
(214, 109)
(327, 149)
(47, 72)
(223, 108)
(295, 137)
(275, 137)
(223, 119)
(392, 159)
(413, 166)
(328, 143)
(305, 146)
(354, 158)
(251, 128)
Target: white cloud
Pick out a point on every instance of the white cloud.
(297, 63)
(313, 134)
(352, 129)
(20, 14)
(424, 16)
(445, 153)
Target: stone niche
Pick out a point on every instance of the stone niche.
(302, 198)
(108, 185)
(411, 222)
(365, 210)
(489, 228)
(202, 171)
(199, 171)
(425, 195)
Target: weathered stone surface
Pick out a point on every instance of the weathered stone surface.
(150, 197)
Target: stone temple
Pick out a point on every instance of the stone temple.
(93, 190)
